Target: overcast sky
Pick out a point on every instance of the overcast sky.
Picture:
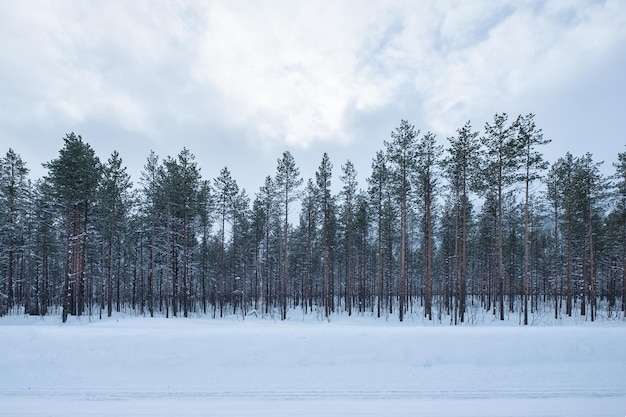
(239, 82)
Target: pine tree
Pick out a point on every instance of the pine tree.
(151, 212)
(428, 160)
(365, 287)
(75, 176)
(226, 191)
(240, 250)
(565, 169)
(461, 169)
(554, 194)
(578, 186)
(530, 138)
(47, 244)
(288, 182)
(323, 177)
(181, 187)
(378, 190)
(309, 222)
(348, 195)
(14, 201)
(402, 155)
(620, 188)
(266, 208)
(114, 208)
(593, 188)
(485, 253)
(206, 203)
(502, 161)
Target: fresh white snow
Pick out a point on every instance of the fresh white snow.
(350, 367)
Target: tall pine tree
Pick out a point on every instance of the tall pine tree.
(402, 153)
(75, 176)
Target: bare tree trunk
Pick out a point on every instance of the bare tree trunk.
(429, 276)
(222, 260)
(583, 286)
(556, 264)
(500, 252)
(168, 263)
(110, 279)
(73, 261)
(460, 254)
(185, 289)
(592, 277)
(379, 258)
(526, 280)
(326, 271)
(268, 292)
(624, 280)
(283, 286)
(10, 278)
(568, 290)
(83, 261)
(403, 248)
(308, 301)
(151, 274)
(349, 272)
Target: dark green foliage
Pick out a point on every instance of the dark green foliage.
(14, 212)
(74, 178)
(429, 238)
(75, 174)
(323, 177)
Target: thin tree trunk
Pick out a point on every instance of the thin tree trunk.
(151, 272)
(283, 286)
(592, 278)
(379, 258)
(429, 277)
(403, 248)
(624, 280)
(110, 279)
(556, 263)
(526, 280)
(185, 289)
(568, 290)
(500, 251)
(463, 263)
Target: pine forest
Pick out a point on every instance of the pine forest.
(481, 223)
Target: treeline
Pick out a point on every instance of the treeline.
(485, 222)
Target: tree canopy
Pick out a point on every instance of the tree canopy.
(478, 221)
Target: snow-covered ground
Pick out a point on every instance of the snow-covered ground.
(348, 367)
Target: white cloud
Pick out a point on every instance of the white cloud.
(285, 73)
(81, 62)
(527, 50)
(293, 69)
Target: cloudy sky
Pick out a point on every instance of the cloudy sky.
(239, 82)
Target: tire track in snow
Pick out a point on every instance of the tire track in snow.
(120, 395)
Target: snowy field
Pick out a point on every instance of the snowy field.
(133, 366)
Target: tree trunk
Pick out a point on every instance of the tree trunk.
(403, 248)
(463, 263)
(379, 258)
(500, 251)
(526, 280)
(429, 278)
(568, 289)
(151, 272)
(556, 263)
(10, 279)
(283, 286)
(110, 279)
(592, 278)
